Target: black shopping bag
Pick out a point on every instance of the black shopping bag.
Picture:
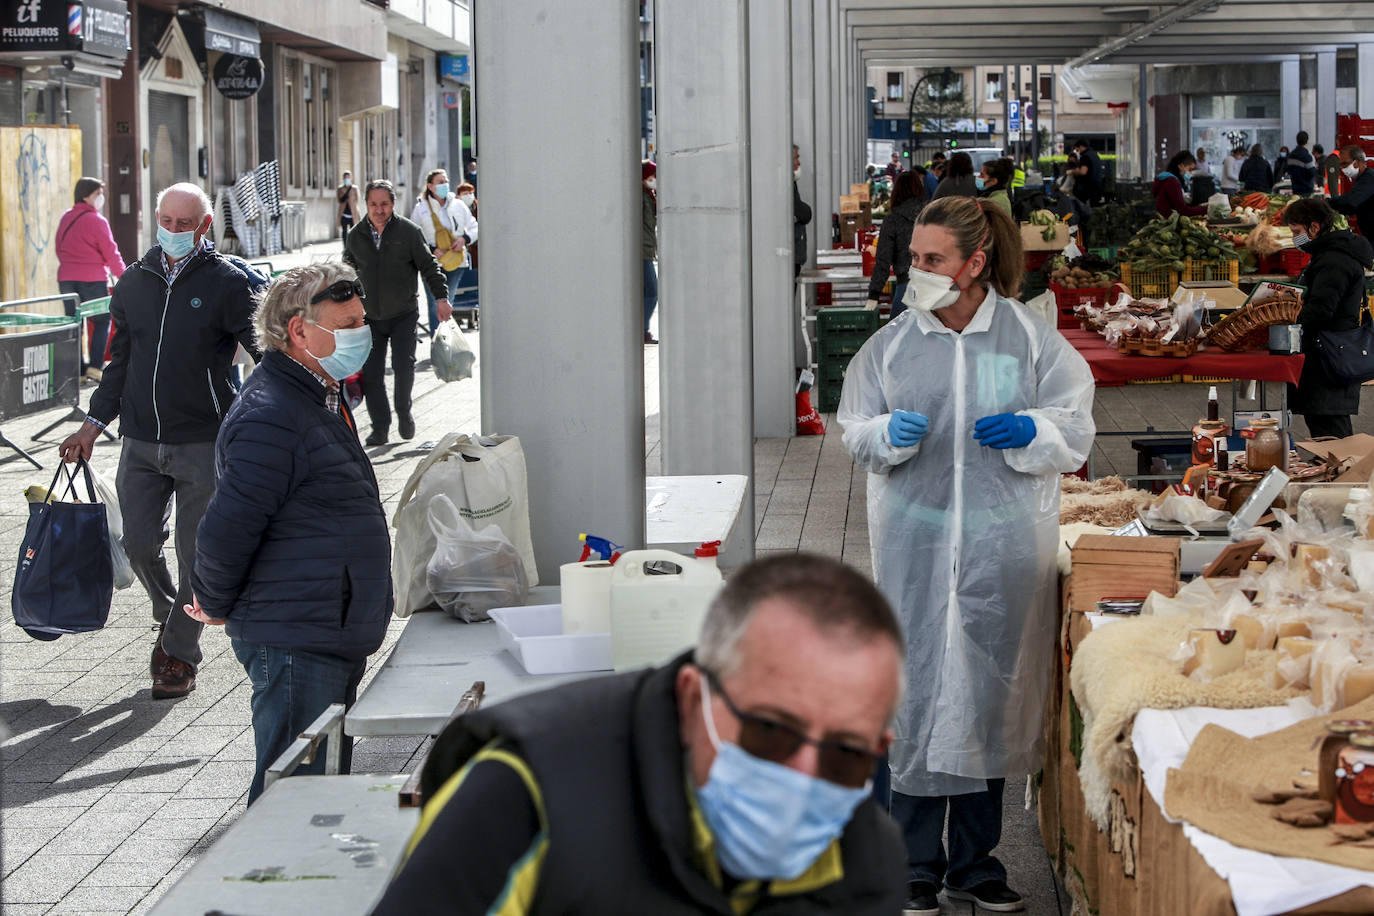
(64, 580)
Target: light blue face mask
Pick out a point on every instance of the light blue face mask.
(769, 821)
(441, 191)
(351, 348)
(176, 245)
(978, 182)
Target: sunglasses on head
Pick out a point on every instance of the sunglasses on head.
(777, 742)
(339, 291)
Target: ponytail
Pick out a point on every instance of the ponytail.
(979, 222)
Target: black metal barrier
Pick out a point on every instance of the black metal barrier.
(40, 362)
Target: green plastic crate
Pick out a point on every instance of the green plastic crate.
(843, 319)
(844, 345)
(1107, 254)
(827, 398)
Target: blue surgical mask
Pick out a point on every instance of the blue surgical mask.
(1301, 240)
(441, 191)
(769, 821)
(348, 182)
(978, 182)
(351, 348)
(176, 245)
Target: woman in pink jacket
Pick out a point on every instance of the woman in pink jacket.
(85, 251)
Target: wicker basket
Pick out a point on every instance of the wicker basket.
(1248, 327)
(1145, 346)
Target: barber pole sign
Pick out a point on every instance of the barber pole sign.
(74, 20)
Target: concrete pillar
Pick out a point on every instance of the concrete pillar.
(1290, 102)
(835, 95)
(1326, 102)
(1143, 112)
(706, 355)
(1364, 80)
(824, 203)
(804, 112)
(770, 155)
(562, 357)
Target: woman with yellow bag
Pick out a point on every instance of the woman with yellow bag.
(448, 226)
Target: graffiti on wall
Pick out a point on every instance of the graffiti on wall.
(36, 211)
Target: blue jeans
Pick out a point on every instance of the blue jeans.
(650, 292)
(898, 306)
(291, 688)
(454, 279)
(975, 829)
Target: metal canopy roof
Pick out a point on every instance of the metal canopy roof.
(986, 32)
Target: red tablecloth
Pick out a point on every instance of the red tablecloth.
(1112, 368)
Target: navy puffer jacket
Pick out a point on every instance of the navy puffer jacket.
(294, 548)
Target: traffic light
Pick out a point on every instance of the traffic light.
(906, 152)
(953, 144)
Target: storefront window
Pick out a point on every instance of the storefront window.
(1220, 123)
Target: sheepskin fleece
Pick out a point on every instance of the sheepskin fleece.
(1107, 501)
(1133, 664)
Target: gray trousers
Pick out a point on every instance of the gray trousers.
(150, 473)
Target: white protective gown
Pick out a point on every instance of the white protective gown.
(964, 536)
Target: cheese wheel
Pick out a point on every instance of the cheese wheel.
(1215, 652)
(1293, 662)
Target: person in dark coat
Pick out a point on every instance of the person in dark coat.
(293, 555)
(1359, 200)
(801, 216)
(1168, 187)
(733, 779)
(1335, 295)
(1301, 168)
(1092, 174)
(1256, 173)
(648, 240)
(894, 240)
(958, 180)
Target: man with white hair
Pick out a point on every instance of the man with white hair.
(179, 315)
(294, 555)
(733, 779)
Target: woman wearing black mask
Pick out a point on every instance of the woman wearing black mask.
(1335, 295)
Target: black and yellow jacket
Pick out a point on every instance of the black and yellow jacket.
(576, 800)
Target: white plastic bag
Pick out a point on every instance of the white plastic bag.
(451, 355)
(1218, 206)
(105, 489)
(471, 571)
(486, 480)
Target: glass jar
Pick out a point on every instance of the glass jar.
(1266, 446)
(1204, 440)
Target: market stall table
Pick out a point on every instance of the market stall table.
(1110, 367)
(310, 844)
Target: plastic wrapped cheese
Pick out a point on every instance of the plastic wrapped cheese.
(1256, 630)
(1214, 653)
(1293, 662)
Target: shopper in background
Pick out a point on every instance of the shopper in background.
(958, 180)
(1230, 172)
(1203, 168)
(894, 168)
(471, 174)
(388, 252)
(348, 203)
(1070, 176)
(1255, 173)
(964, 415)
(1301, 168)
(1168, 187)
(801, 216)
(1281, 165)
(648, 244)
(442, 217)
(894, 240)
(934, 174)
(1359, 200)
(1319, 176)
(1092, 176)
(992, 182)
(87, 257)
(1334, 280)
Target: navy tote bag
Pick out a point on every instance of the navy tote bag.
(64, 580)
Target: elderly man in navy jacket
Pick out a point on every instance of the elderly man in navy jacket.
(293, 554)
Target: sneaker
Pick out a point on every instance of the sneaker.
(923, 899)
(406, 426)
(376, 437)
(993, 896)
(176, 679)
(649, 338)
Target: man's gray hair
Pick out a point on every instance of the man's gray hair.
(832, 596)
(186, 187)
(289, 295)
(1356, 154)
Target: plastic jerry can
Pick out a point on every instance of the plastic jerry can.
(654, 615)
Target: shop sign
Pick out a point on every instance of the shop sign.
(450, 99)
(1013, 115)
(238, 77)
(95, 26)
(455, 67)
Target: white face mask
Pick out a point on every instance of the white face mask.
(468, 200)
(927, 291)
(796, 174)
(651, 183)
(99, 202)
(1350, 171)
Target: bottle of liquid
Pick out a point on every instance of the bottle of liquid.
(707, 553)
(1213, 408)
(1223, 457)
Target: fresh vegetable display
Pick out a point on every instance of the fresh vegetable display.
(1084, 272)
(1166, 243)
(1048, 220)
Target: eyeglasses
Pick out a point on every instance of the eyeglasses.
(777, 742)
(339, 291)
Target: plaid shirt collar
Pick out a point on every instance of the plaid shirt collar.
(171, 270)
(377, 236)
(331, 387)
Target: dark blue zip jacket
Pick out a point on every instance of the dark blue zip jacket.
(294, 548)
(168, 377)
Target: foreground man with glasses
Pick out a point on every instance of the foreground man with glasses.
(734, 779)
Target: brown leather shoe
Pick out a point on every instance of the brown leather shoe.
(176, 679)
(160, 658)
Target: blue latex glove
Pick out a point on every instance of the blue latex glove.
(906, 428)
(1005, 430)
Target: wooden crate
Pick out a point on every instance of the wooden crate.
(1110, 566)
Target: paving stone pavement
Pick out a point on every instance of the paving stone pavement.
(107, 798)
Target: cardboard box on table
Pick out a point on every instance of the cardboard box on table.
(1033, 237)
(1355, 453)
(1227, 296)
